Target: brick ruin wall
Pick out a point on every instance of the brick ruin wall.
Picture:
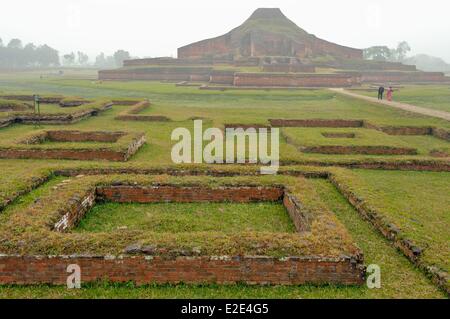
(158, 74)
(324, 47)
(267, 79)
(366, 65)
(288, 76)
(161, 194)
(30, 118)
(30, 98)
(15, 107)
(289, 68)
(316, 123)
(338, 135)
(28, 270)
(142, 118)
(364, 150)
(81, 155)
(80, 136)
(268, 45)
(199, 269)
(392, 233)
(293, 80)
(133, 114)
(132, 194)
(176, 62)
(76, 154)
(390, 130)
(222, 77)
(403, 77)
(217, 46)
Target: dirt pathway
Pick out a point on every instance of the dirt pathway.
(403, 106)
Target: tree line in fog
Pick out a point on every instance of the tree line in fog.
(16, 55)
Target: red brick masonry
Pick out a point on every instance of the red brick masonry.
(293, 80)
(76, 154)
(148, 269)
(144, 269)
(155, 194)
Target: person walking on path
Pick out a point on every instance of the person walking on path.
(380, 92)
(389, 94)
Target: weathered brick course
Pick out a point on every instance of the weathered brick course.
(27, 270)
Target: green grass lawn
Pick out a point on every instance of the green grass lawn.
(417, 202)
(188, 217)
(181, 103)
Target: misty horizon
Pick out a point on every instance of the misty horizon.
(147, 30)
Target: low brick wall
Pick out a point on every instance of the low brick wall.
(406, 130)
(402, 77)
(14, 107)
(441, 133)
(289, 68)
(247, 126)
(315, 123)
(133, 114)
(77, 210)
(30, 270)
(160, 73)
(60, 118)
(30, 98)
(293, 80)
(4, 122)
(73, 103)
(81, 155)
(79, 206)
(300, 216)
(365, 150)
(133, 194)
(80, 136)
(338, 135)
(222, 77)
(143, 118)
(75, 154)
(146, 268)
(393, 234)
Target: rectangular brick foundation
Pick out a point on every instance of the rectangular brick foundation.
(87, 154)
(81, 155)
(316, 123)
(192, 270)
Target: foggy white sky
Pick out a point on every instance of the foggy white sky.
(159, 27)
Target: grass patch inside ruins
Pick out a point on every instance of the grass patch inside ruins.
(188, 217)
(417, 203)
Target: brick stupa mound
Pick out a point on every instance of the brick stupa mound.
(268, 32)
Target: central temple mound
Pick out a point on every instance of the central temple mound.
(268, 32)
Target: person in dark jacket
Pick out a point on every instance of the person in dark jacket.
(380, 92)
